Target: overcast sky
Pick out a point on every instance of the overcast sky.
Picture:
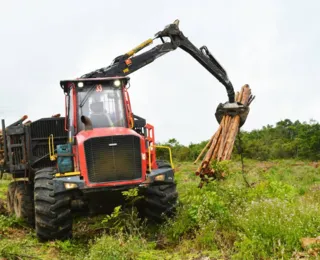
(271, 45)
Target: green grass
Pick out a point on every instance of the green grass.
(224, 220)
(3, 188)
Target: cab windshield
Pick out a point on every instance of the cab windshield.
(103, 104)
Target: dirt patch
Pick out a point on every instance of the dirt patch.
(315, 164)
(52, 253)
(265, 166)
(311, 245)
(14, 233)
(298, 164)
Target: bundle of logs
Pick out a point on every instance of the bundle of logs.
(220, 146)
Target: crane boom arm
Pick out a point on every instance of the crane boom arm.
(128, 63)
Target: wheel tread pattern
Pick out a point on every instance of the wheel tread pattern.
(53, 212)
(160, 202)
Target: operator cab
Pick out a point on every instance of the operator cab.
(103, 104)
(104, 101)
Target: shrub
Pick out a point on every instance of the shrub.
(198, 208)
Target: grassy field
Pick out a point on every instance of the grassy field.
(223, 220)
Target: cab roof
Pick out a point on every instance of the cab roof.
(66, 83)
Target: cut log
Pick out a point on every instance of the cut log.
(203, 150)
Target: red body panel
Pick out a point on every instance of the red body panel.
(111, 131)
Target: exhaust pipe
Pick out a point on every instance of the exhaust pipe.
(87, 123)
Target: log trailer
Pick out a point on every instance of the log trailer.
(81, 162)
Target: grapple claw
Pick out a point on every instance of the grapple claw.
(232, 109)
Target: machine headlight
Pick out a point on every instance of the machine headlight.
(70, 185)
(80, 84)
(159, 177)
(117, 83)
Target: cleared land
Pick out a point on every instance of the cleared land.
(224, 220)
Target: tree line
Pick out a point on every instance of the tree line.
(287, 139)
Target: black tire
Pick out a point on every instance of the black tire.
(23, 202)
(53, 218)
(163, 164)
(160, 202)
(10, 197)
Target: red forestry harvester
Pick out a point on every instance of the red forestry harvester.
(82, 162)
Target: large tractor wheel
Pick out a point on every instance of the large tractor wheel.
(10, 197)
(53, 218)
(23, 206)
(160, 201)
